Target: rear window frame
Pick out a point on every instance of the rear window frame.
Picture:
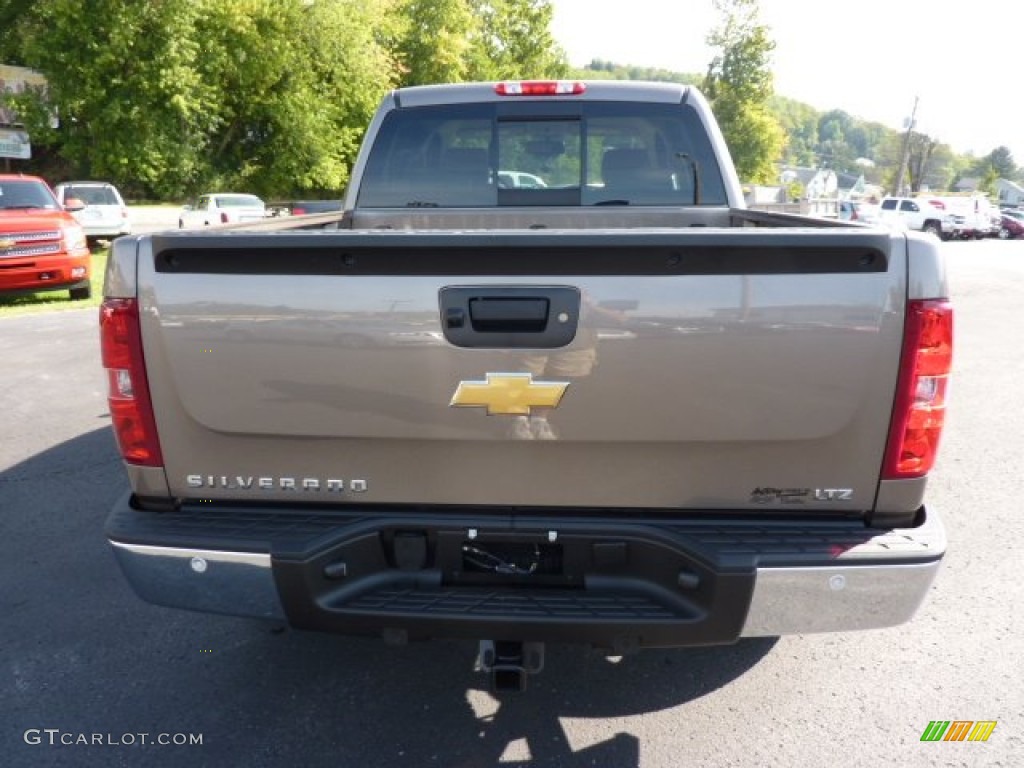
(398, 155)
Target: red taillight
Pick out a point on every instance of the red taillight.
(540, 88)
(919, 412)
(297, 211)
(131, 410)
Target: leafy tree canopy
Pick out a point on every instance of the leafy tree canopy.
(171, 97)
(739, 86)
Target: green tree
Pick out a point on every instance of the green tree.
(169, 97)
(434, 44)
(14, 15)
(295, 85)
(599, 69)
(451, 41)
(739, 85)
(800, 124)
(123, 81)
(930, 165)
(835, 149)
(1000, 160)
(515, 40)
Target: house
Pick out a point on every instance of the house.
(968, 184)
(850, 184)
(819, 196)
(1009, 194)
(817, 183)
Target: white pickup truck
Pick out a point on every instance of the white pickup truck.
(613, 408)
(921, 215)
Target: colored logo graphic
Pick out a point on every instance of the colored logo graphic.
(958, 730)
(509, 393)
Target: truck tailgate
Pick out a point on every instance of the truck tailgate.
(744, 369)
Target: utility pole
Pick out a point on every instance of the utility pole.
(905, 157)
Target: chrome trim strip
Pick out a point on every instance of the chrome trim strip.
(33, 237)
(25, 251)
(232, 583)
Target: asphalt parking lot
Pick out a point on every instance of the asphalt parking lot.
(83, 657)
(153, 218)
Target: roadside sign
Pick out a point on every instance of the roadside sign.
(14, 142)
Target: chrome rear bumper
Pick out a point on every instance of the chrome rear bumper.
(879, 582)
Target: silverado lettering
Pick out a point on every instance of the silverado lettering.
(331, 485)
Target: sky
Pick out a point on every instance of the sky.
(870, 58)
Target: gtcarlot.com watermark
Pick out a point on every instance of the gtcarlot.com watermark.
(55, 737)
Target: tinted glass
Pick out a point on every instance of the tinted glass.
(26, 194)
(92, 195)
(535, 153)
(238, 201)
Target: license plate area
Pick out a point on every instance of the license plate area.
(496, 558)
(507, 558)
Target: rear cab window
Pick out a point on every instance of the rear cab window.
(92, 194)
(531, 153)
(238, 201)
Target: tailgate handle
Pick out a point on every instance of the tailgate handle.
(510, 316)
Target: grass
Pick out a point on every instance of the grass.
(51, 301)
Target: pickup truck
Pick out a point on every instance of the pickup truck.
(42, 247)
(616, 409)
(921, 215)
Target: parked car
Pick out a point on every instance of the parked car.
(520, 180)
(918, 214)
(855, 210)
(973, 217)
(105, 216)
(1011, 226)
(302, 207)
(221, 208)
(42, 247)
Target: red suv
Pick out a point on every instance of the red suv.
(42, 247)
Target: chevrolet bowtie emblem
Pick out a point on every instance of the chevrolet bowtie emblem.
(509, 393)
(7, 243)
